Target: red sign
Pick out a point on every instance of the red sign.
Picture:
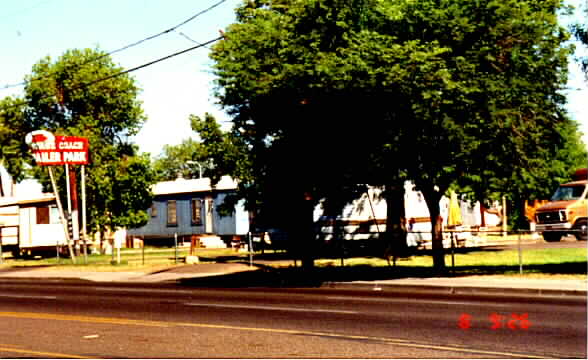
(58, 150)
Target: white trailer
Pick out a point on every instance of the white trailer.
(365, 218)
(31, 225)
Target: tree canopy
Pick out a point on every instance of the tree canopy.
(185, 159)
(328, 94)
(83, 93)
(12, 134)
(442, 91)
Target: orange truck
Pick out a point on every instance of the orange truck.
(566, 211)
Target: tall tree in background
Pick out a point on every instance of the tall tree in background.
(82, 94)
(186, 159)
(227, 154)
(12, 134)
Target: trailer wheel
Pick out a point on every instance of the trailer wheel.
(552, 236)
(581, 230)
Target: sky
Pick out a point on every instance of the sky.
(171, 89)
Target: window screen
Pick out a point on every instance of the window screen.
(172, 216)
(196, 212)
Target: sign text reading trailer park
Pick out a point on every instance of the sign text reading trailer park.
(57, 150)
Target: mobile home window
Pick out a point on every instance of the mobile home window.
(172, 215)
(196, 212)
(153, 210)
(43, 215)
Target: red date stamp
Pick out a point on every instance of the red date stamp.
(498, 321)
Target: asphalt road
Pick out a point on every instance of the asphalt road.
(68, 319)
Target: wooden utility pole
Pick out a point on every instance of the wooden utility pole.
(504, 217)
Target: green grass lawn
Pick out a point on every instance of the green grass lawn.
(548, 263)
(478, 258)
(152, 259)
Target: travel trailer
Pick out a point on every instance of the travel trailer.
(365, 219)
(30, 225)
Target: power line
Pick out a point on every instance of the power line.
(173, 28)
(149, 63)
(187, 37)
(24, 10)
(120, 73)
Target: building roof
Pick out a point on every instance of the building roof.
(183, 186)
(30, 199)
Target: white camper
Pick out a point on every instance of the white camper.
(365, 219)
(30, 225)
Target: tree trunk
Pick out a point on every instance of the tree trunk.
(432, 199)
(301, 229)
(395, 235)
(307, 232)
(482, 214)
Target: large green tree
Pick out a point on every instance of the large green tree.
(499, 110)
(438, 91)
(294, 109)
(12, 134)
(83, 93)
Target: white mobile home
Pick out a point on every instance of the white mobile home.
(365, 218)
(30, 225)
(186, 209)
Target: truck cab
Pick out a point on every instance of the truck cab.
(566, 212)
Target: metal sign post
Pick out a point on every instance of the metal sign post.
(118, 254)
(57, 252)
(176, 248)
(452, 253)
(251, 250)
(520, 256)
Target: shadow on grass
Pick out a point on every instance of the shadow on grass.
(298, 277)
(268, 256)
(370, 253)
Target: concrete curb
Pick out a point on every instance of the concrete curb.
(562, 289)
(351, 286)
(455, 290)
